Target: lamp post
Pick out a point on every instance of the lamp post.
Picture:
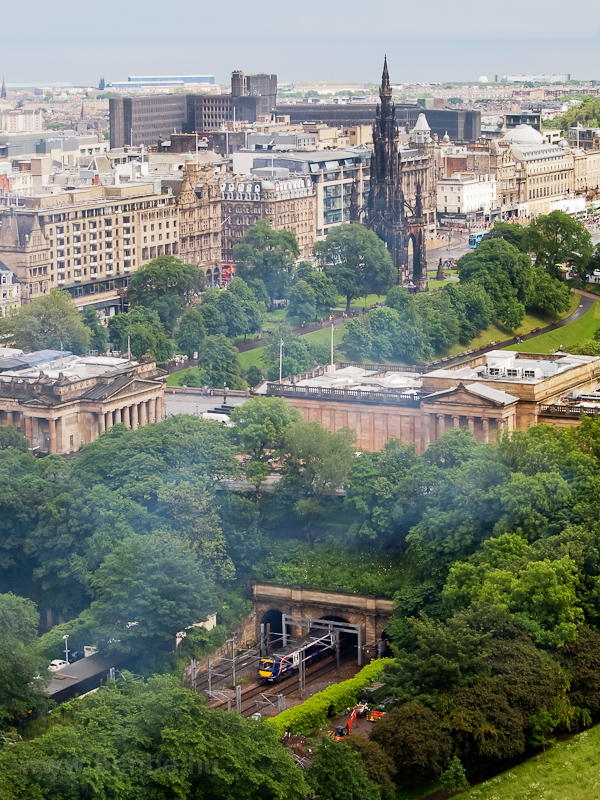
(66, 641)
(224, 394)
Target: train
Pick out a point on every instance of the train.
(273, 668)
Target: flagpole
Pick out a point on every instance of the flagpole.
(332, 344)
(280, 357)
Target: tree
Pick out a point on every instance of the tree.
(512, 232)
(542, 725)
(513, 313)
(302, 302)
(141, 331)
(454, 778)
(147, 589)
(220, 363)
(261, 425)
(267, 255)
(551, 296)
(472, 306)
(338, 773)
(165, 285)
(413, 738)
(555, 238)
(357, 261)
(326, 295)
(501, 269)
(191, 332)
(49, 322)
(379, 767)
(358, 338)
(19, 663)
(98, 335)
(241, 312)
(254, 375)
(297, 356)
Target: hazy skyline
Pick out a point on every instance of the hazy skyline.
(309, 41)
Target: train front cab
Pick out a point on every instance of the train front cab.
(265, 668)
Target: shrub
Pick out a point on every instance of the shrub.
(312, 714)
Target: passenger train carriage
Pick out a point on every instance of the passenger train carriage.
(279, 664)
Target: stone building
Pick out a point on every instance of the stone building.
(67, 401)
(402, 198)
(10, 290)
(287, 201)
(88, 241)
(502, 390)
(198, 196)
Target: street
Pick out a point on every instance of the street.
(196, 403)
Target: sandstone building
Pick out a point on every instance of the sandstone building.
(61, 402)
(502, 390)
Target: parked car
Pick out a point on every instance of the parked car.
(57, 664)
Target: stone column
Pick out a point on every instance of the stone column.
(109, 419)
(152, 410)
(28, 429)
(441, 424)
(127, 416)
(486, 430)
(134, 417)
(471, 424)
(161, 401)
(456, 422)
(9, 417)
(101, 424)
(426, 430)
(143, 413)
(117, 414)
(52, 427)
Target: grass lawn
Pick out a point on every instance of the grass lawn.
(592, 288)
(273, 318)
(324, 335)
(252, 358)
(570, 771)
(498, 333)
(573, 334)
(362, 302)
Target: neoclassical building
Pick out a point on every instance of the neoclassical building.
(66, 401)
(502, 390)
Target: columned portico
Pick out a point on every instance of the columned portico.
(134, 417)
(52, 429)
(101, 424)
(127, 416)
(117, 413)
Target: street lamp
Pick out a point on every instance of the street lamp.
(224, 394)
(66, 641)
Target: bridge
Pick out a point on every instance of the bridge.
(271, 602)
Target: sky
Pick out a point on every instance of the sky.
(339, 40)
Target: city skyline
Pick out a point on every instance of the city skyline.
(339, 42)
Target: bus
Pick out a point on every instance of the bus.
(475, 238)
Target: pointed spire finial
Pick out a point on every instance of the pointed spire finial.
(3, 90)
(385, 90)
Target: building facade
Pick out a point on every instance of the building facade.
(499, 391)
(287, 201)
(466, 197)
(10, 290)
(68, 402)
(88, 241)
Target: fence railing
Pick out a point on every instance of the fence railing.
(388, 396)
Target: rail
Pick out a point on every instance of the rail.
(569, 411)
(388, 396)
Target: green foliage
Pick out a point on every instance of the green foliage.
(587, 113)
(267, 255)
(220, 363)
(501, 269)
(98, 335)
(48, 322)
(311, 715)
(261, 425)
(299, 355)
(191, 332)
(234, 312)
(512, 232)
(338, 773)
(555, 238)
(326, 294)
(356, 260)
(254, 376)
(454, 778)
(303, 302)
(165, 285)
(142, 331)
(146, 590)
(378, 765)
(542, 725)
(413, 738)
(513, 314)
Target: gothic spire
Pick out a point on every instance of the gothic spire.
(385, 90)
(3, 90)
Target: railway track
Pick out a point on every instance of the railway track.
(252, 698)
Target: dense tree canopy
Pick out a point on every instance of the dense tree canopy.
(50, 322)
(140, 331)
(357, 261)
(555, 238)
(267, 255)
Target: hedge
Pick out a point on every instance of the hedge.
(312, 714)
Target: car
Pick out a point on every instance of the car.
(57, 664)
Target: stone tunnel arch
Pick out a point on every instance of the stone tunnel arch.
(274, 618)
(347, 640)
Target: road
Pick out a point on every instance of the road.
(458, 247)
(196, 403)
